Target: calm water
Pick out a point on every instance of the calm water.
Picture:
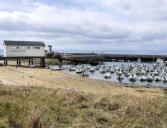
(100, 76)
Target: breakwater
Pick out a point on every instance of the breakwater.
(96, 58)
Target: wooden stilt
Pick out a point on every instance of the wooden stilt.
(4, 61)
(19, 62)
(32, 62)
(43, 61)
(29, 62)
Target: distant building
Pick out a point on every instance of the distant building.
(23, 49)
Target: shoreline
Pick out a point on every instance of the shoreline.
(39, 77)
(75, 75)
(122, 84)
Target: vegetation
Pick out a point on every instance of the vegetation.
(37, 107)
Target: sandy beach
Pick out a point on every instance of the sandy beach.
(20, 76)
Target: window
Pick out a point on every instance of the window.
(15, 48)
(36, 47)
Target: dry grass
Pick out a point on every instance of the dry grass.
(37, 107)
(65, 101)
(55, 79)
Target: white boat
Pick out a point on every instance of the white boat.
(112, 70)
(31, 66)
(57, 68)
(79, 71)
(155, 73)
(143, 78)
(97, 67)
(119, 73)
(92, 69)
(102, 70)
(72, 68)
(107, 75)
(127, 74)
(116, 68)
(150, 78)
(164, 79)
(88, 66)
(131, 66)
(47, 67)
(108, 69)
(120, 77)
(51, 66)
(147, 70)
(121, 60)
(139, 60)
(157, 78)
(163, 74)
(138, 73)
(85, 74)
(132, 77)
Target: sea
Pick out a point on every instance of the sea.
(100, 76)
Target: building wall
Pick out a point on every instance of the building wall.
(24, 51)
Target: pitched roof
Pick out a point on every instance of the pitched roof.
(24, 43)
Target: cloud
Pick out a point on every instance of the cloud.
(83, 24)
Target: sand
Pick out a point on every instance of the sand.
(21, 76)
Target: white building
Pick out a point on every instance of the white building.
(23, 49)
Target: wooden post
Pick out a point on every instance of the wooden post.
(4, 61)
(29, 63)
(19, 62)
(43, 62)
(32, 61)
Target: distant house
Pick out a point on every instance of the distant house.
(23, 49)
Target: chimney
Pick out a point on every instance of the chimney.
(49, 48)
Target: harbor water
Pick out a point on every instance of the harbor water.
(100, 76)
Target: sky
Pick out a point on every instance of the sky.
(87, 24)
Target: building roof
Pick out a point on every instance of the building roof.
(24, 43)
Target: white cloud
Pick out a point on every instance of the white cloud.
(110, 24)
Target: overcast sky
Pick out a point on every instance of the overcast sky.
(87, 24)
